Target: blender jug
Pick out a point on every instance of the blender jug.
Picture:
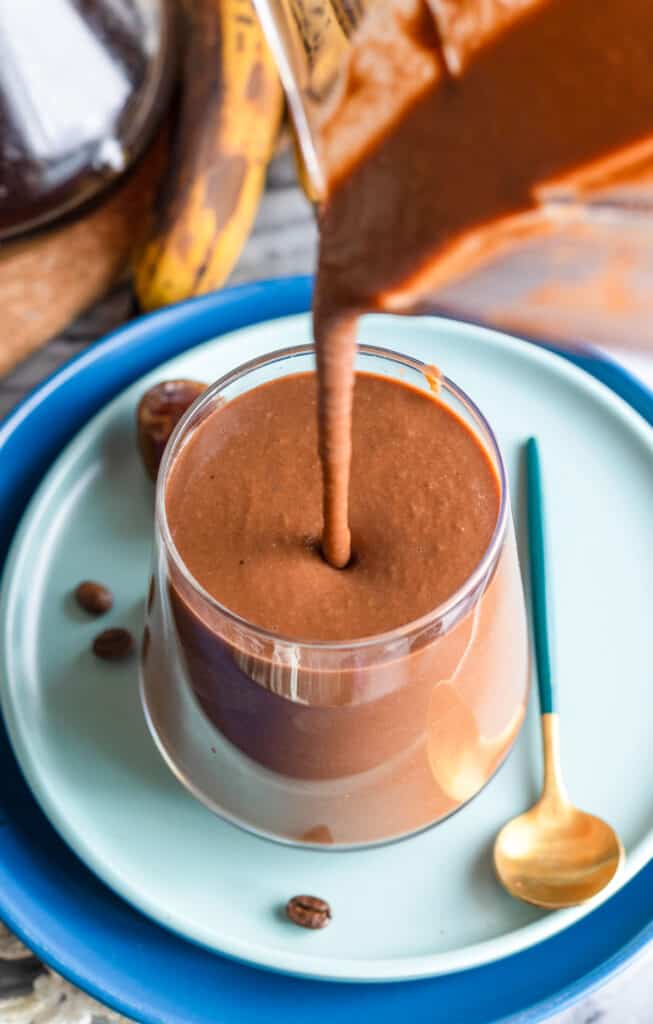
(587, 278)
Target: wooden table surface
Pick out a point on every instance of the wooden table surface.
(283, 243)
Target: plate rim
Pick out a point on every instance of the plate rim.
(121, 338)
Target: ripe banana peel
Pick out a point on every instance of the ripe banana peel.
(230, 112)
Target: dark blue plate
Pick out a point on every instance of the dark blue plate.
(78, 926)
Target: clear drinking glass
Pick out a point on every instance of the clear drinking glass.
(340, 743)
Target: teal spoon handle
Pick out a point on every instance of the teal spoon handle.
(537, 555)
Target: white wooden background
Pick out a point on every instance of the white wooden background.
(283, 243)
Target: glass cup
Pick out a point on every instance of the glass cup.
(342, 743)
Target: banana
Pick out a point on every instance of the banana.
(230, 111)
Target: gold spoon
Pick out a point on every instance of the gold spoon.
(553, 855)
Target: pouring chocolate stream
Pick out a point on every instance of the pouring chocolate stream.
(455, 128)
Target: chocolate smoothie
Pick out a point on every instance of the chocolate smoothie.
(244, 509)
(362, 714)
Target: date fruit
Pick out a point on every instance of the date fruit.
(159, 411)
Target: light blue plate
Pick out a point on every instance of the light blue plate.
(79, 733)
(79, 926)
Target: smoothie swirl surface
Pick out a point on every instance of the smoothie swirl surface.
(244, 506)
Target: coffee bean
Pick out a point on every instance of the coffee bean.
(318, 834)
(113, 644)
(308, 911)
(94, 597)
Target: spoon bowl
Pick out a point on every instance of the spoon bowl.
(557, 862)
